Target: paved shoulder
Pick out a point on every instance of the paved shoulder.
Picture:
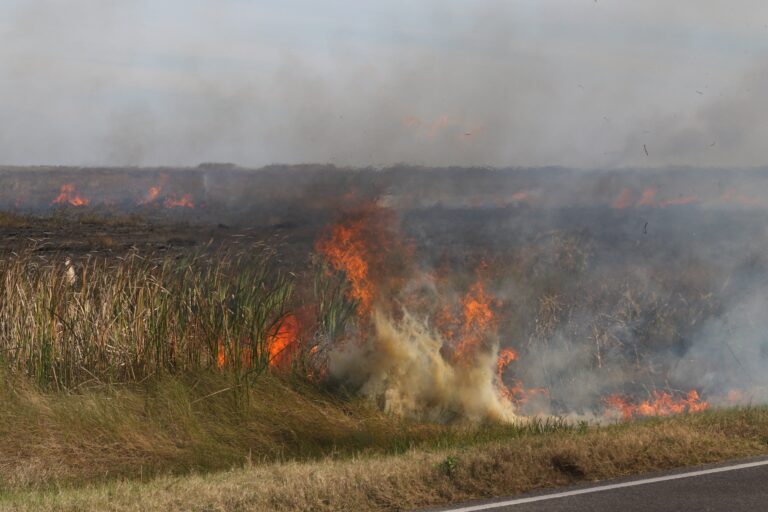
(732, 487)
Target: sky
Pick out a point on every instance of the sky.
(575, 83)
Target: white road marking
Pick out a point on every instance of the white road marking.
(600, 488)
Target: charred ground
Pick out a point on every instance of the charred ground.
(174, 320)
(621, 283)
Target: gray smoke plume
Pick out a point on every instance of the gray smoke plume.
(585, 84)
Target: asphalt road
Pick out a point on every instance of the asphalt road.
(734, 487)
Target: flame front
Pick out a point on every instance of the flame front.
(413, 369)
(184, 201)
(283, 342)
(661, 403)
(648, 198)
(624, 200)
(346, 251)
(478, 321)
(281, 346)
(364, 248)
(68, 195)
(152, 195)
(422, 351)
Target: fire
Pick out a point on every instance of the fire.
(681, 200)
(477, 309)
(365, 248)
(281, 346)
(661, 403)
(346, 251)
(624, 200)
(506, 356)
(184, 202)
(648, 198)
(221, 359)
(68, 195)
(478, 320)
(736, 396)
(412, 367)
(523, 195)
(246, 357)
(731, 196)
(283, 342)
(152, 194)
(516, 393)
(430, 130)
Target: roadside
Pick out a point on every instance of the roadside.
(428, 476)
(734, 486)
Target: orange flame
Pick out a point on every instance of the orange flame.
(430, 130)
(522, 195)
(346, 251)
(152, 194)
(221, 359)
(506, 356)
(732, 196)
(624, 200)
(283, 342)
(515, 393)
(477, 308)
(68, 195)
(661, 403)
(184, 202)
(281, 346)
(478, 320)
(246, 356)
(648, 197)
(364, 246)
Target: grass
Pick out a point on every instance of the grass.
(197, 423)
(393, 466)
(130, 384)
(12, 220)
(65, 324)
(69, 216)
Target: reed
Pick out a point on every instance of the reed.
(64, 324)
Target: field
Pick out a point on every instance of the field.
(401, 468)
(396, 338)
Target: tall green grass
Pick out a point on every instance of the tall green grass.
(122, 320)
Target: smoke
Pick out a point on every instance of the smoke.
(403, 368)
(731, 353)
(439, 83)
(626, 295)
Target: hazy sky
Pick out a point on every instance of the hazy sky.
(470, 82)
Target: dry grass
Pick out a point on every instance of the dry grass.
(64, 324)
(113, 399)
(422, 477)
(12, 220)
(200, 423)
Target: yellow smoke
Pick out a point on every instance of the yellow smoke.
(402, 368)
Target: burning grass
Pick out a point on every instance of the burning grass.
(64, 324)
(143, 365)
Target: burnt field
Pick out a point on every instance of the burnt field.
(162, 322)
(542, 290)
